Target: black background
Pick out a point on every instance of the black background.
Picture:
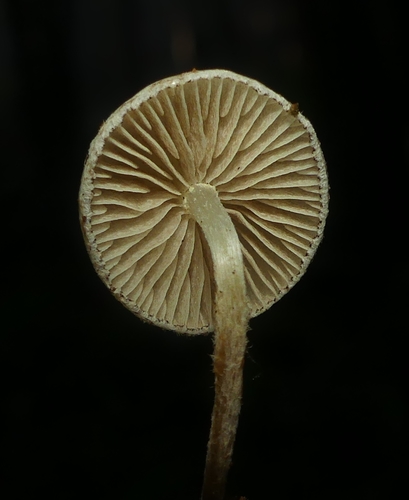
(100, 405)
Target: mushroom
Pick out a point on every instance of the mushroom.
(203, 200)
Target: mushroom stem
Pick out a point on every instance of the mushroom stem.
(231, 315)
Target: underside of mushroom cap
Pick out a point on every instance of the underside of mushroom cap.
(209, 127)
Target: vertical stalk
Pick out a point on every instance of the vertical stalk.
(231, 315)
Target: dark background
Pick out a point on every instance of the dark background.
(100, 405)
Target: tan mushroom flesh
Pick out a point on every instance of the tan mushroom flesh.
(202, 201)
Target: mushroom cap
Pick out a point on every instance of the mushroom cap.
(213, 127)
